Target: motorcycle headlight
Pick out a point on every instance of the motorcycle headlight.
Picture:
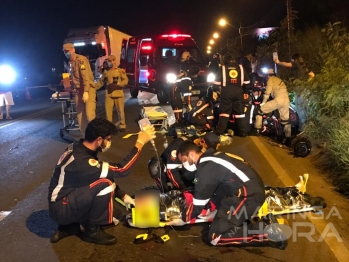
(211, 77)
(171, 78)
(264, 70)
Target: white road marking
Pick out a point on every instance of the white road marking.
(338, 248)
(15, 121)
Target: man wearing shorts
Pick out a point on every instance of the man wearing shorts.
(6, 99)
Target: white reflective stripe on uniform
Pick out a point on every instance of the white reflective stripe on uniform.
(224, 76)
(178, 110)
(173, 166)
(239, 116)
(187, 94)
(105, 169)
(227, 165)
(184, 78)
(242, 74)
(107, 190)
(210, 117)
(61, 179)
(251, 114)
(202, 108)
(199, 202)
(224, 115)
(216, 83)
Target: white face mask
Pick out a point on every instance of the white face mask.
(107, 146)
(68, 55)
(188, 167)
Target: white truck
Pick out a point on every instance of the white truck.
(97, 43)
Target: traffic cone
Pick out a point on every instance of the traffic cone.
(27, 94)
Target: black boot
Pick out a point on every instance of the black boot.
(64, 231)
(276, 237)
(255, 132)
(95, 234)
(287, 142)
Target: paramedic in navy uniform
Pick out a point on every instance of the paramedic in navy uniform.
(82, 190)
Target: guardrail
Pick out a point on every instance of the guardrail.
(34, 91)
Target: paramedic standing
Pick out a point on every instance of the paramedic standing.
(116, 79)
(83, 83)
(235, 85)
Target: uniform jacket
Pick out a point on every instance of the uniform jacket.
(276, 88)
(81, 73)
(232, 75)
(174, 168)
(222, 176)
(79, 167)
(115, 79)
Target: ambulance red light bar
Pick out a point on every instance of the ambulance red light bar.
(175, 36)
(146, 47)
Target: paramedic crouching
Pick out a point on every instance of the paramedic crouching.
(237, 185)
(278, 90)
(82, 190)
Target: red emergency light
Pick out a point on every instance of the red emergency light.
(175, 36)
(146, 47)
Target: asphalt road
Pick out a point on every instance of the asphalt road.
(31, 145)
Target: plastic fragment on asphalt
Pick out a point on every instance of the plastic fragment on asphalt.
(4, 214)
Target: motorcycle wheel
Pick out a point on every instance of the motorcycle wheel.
(162, 96)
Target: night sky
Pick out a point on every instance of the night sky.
(32, 31)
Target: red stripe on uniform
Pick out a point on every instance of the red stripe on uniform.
(244, 238)
(265, 239)
(158, 183)
(102, 180)
(171, 177)
(110, 205)
(127, 166)
(242, 202)
(189, 212)
(111, 208)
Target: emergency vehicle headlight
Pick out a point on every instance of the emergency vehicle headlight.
(79, 44)
(7, 75)
(211, 77)
(264, 70)
(171, 78)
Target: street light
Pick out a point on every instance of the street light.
(208, 51)
(215, 35)
(211, 42)
(223, 22)
(209, 48)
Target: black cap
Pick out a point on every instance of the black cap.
(211, 139)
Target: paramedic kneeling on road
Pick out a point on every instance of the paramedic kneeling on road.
(278, 90)
(239, 188)
(82, 188)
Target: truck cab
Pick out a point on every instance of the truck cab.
(152, 61)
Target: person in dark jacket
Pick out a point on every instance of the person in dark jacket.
(235, 87)
(82, 189)
(239, 189)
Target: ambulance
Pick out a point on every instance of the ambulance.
(152, 63)
(97, 43)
